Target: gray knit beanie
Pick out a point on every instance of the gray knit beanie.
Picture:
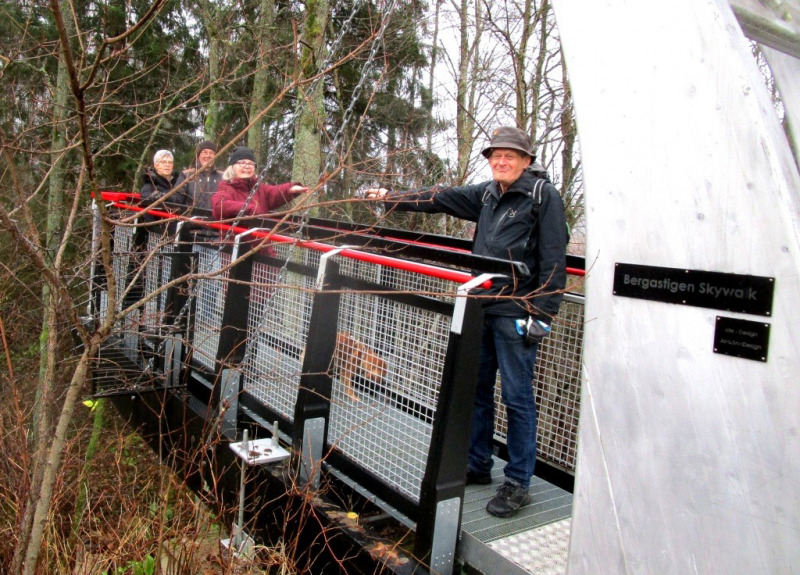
(205, 145)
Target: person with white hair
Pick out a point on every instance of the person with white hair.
(158, 180)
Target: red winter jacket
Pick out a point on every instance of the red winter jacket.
(231, 195)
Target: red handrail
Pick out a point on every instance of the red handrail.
(424, 269)
(119, 200)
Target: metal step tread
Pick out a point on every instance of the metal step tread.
(535, 540)
(543, 550)
(548, 505)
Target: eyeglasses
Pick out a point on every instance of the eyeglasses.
(246, 164)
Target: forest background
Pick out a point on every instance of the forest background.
(338, 95)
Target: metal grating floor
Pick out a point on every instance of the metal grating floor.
(119, 370)
(534, 541)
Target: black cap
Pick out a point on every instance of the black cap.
(241, 153)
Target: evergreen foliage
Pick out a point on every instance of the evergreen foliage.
(91, 90)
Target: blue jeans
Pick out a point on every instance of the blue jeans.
(505, 349)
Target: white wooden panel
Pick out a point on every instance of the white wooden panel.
(689, 461)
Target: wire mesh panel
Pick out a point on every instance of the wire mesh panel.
(400, 280)
(557, 387)
(280, 310)
(209, 304)
(122, 241)
(156, 274)
(103, 311)
(122, 259)
(127, 359)
(129, 337)
(386, 370)
(124, 263)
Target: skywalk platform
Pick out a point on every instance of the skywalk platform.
(534, 541)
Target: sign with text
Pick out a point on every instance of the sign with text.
(741, 338)
(715, 290)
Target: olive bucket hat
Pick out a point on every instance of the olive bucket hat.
(510, 138)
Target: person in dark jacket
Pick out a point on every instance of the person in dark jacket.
(159, 180)
(234, 198)
(519, 216)
(202, 178)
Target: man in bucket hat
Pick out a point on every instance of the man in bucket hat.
(520, 216)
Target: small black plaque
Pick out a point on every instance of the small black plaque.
(715, 290)
(741, 338)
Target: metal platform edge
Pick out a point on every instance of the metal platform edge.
(478, 555)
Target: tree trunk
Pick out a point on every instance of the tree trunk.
(48, 337)
(215, 93)
(41, 427)
(573, 203)
(468, 64)
(98, 409)
(431, 76)
(264, 28)
(310, 103)
(53, 234)
(538, 75)
(53, 461)
(521, 55)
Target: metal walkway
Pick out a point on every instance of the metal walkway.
(534, 541)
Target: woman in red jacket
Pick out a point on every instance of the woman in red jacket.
(233, 197)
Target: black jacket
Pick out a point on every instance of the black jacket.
(200, 189)
(508, 228)
(154, 187)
